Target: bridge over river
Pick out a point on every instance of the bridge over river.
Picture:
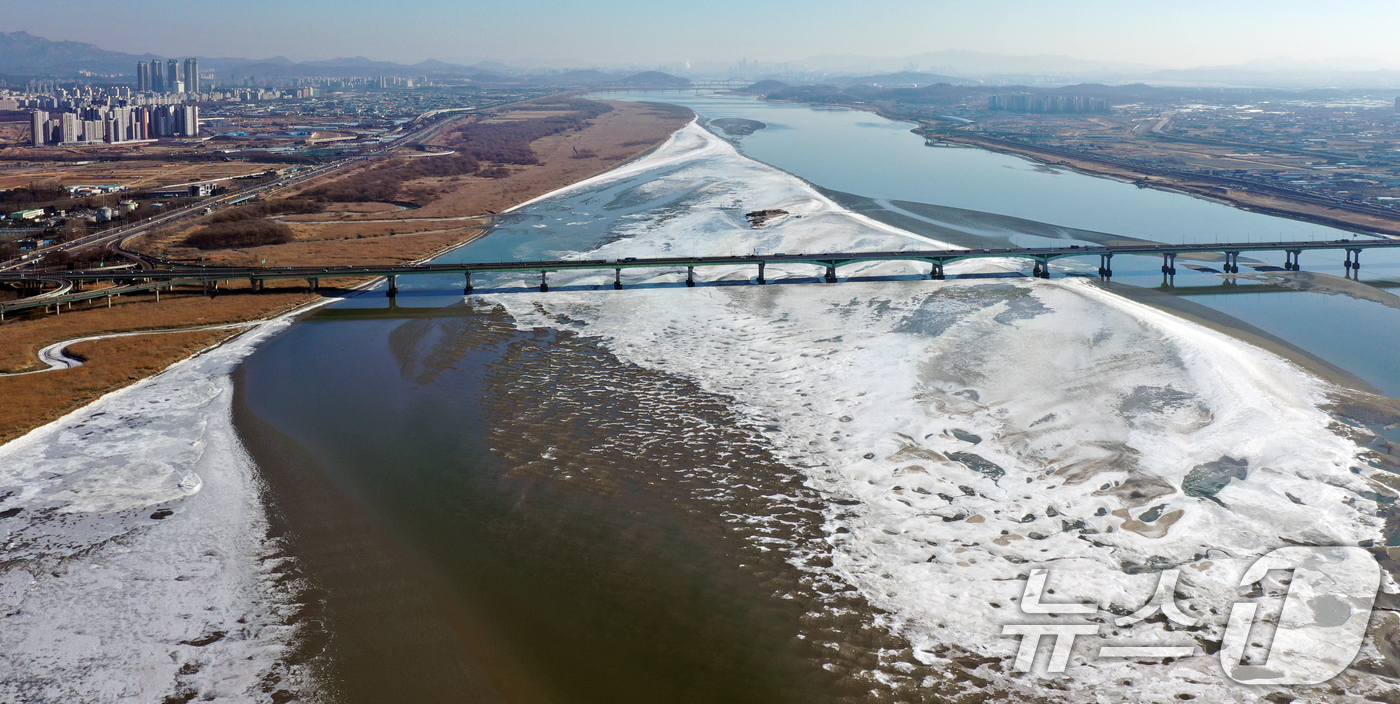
(828, 263)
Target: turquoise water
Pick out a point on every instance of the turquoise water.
(859, 152)
(864, 154)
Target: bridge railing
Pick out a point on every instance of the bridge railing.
(830, 261)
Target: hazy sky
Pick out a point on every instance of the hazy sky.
(1178, 33)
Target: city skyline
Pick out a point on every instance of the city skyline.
(618, 32)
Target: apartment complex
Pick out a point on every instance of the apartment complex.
(112, 125)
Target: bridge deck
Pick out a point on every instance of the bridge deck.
(829, 260)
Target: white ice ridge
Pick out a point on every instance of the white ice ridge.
(982, 428)
(134, 562)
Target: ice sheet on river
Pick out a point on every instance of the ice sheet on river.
(135, 565)
(969, 431)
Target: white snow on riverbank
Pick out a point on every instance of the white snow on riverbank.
(974, 430)
(135, 551)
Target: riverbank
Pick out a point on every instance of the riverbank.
(1275, 205)
(1205, 187)
(460, 214)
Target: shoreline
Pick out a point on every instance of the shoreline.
(1169, 183)
(1243, 332)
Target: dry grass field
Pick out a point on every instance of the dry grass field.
(132, 174)
(21, 340)
(35, 399)
(611, 139)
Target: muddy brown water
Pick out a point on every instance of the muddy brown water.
(482, 514)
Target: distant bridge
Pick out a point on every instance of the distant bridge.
(828, 263)
(712, 84)
(735, 83)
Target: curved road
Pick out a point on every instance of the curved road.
(56, 356)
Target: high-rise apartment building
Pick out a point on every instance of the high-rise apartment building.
(191, 76)
(68, 127)
(157, 76)
(160, 122)
(143, 76)
(189, 121)
(39, 124)
(172, 75)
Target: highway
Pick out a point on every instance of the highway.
(115, 236)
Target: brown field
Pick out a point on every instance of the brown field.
(613, 138)
(333, 243)
(13, 132)
(35, 399)
(21, 340)
(347, 233)
(132, 174)
(348, 209)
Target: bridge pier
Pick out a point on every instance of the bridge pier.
(760, 273)
(617, 279)
(255, 283)
(544, 281)
(1232, 262)
(211, 288)
(1106, 265)
(1290, 259)
(393, 289)
(1041, 270)
(690, 276)
(1353, 263)
(936, 272)
(468, 288)
(1169, 263)
(831, 273)
(312, 285)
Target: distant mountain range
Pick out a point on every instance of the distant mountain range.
(903, 78)
(23, 54)
(971, 64)
(1278, 72)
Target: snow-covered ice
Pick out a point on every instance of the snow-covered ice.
(970, 431)
(135, 563)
